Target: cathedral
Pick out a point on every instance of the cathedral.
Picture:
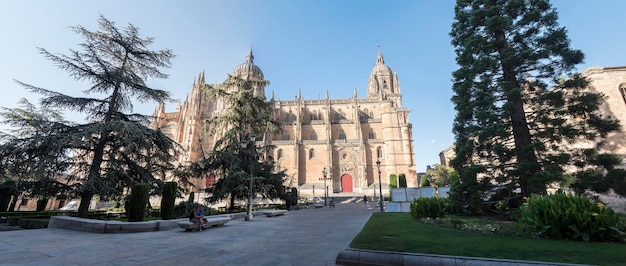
(338, 145)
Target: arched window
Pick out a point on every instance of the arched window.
(371, 114)
(342, 135)
(379, 152)
(290, 117)
(313, 136)
(311, 154)
(279, 154)
(372, 135)
(285, 136)
(314, 115)
(365, 114)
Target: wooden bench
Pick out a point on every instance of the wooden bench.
(272, 213)
(210, 222)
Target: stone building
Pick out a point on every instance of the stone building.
(611, 82)
(345, 136)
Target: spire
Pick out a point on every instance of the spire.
(327, 94)
(250, 57)
(299, 95)
(379, 57)
(161, 108)
(272, 94)
(354, 91)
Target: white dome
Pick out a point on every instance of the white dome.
(248, 68)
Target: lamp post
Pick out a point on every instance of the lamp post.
(380, 185)
(251, 156)
(324, 173)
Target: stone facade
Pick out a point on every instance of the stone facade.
(346, 136)
(610, 81)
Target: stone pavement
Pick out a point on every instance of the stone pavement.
(301, 237)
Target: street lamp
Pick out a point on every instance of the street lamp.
(324, 173)
(380, 186)
(251, 156)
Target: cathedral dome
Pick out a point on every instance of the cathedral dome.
(380, 69)
(248, 68)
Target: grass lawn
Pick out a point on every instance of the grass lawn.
(400, 232)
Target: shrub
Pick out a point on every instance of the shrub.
(424, 181)
(34, 223)
(402, 180)
(429, 207)
(393, 181)
(168, 200)
(138, 201)
(563, 216)
(183, 209)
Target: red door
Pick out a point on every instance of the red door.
(346, 183)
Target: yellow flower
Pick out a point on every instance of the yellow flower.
(595, 215)
(600, 205)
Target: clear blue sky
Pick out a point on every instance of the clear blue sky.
(311, 45)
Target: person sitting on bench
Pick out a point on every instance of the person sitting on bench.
(197, 216)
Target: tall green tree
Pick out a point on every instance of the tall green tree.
(32, 153)
(441, 175)
(248, 113)
(518, 101)
(115, 148)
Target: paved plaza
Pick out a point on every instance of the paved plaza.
(301, 237)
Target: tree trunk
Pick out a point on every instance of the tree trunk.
(231, 202)
(94, 173)
(14, 199)
(85, 201)
(525, 154)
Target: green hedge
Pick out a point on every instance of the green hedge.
(393, 181)
(34, 223)
(29, 222)
(168, 200)
(138, 201)
(429, 208)
(402, 180)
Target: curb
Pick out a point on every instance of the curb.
(351, 256)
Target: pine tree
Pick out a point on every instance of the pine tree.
(518, 101)
(115, 148)
(33, 153)
(246, 113)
